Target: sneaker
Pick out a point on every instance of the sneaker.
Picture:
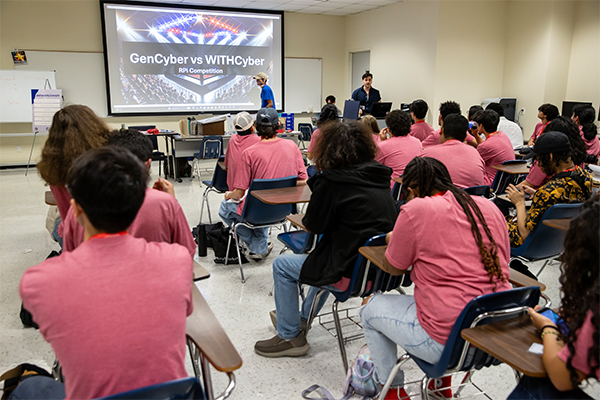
(441, 387)
(273, 315)
(260, 257)
(397, 393)
(277, 347)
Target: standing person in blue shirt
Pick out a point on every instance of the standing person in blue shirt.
(366, 94)
(266, 95)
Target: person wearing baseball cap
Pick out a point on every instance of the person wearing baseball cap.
(569, 184)
(266, 94)
(245, 137)
(270, 158)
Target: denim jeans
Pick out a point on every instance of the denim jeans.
(542, 388)
(39, 387)
(55, 234)
(286, 273)
(256, 239)
(390, 320)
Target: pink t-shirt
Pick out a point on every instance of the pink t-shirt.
(465, 165)
(396, 153)
(496, 149)
(235, 148)
(536, 177)
(63, 202)
(160, 219)
(447, 273)
(537, 131)
(421, 130)
(585, 341)
(313, 140)
(592, 145)
(267, 160)
(114, 311)
(376, 138)
(432, 140)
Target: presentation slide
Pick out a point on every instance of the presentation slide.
(163, 59)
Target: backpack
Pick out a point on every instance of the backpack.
(359, 380)
(13, 377)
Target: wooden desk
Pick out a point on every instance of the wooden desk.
(514, 169)
(199, 272)
(289, 195)
(509, 341)
(518, 279)
(206, 332)
(49, 198)
(296, 219)
(560, 223)
(397, 179)
(222, 165)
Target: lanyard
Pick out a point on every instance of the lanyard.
(443, 192)
(106, 235)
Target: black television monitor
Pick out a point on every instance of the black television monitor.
(405, 107)
(351, 108)
(380, 110)
(567, 107)
(187, 59)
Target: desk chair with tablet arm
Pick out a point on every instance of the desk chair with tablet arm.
(307, 131)
(482, 190)
(218, 184)
(458, 355)
(503, 179)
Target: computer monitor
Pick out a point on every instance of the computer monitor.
(380, 110)
(405, 107)
(567, 107)
(351, 109)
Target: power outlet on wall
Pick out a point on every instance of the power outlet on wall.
(18, 149)
(522, 111)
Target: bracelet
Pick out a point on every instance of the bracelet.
(549, 326)
(227, 195)
(551, 332)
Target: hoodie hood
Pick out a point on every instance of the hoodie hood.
(371, 174)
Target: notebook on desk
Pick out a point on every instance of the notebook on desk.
(351, 110)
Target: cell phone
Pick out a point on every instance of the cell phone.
(560, 323)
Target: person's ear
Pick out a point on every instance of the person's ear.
(78, 212)
(148, 163)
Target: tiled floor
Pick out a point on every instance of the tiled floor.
(241, 308)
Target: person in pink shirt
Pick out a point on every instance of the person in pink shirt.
(160, 219)
(117, 304)
(373, 127)
(584, 116)
(74, 130)
(270, 158)
(546, 113)
(245, 137)
(400, 148)
(465, 165)
(496, 148)
(329, 113)
(420, 129)
(571, 356)
(446, 108)
(447, 273)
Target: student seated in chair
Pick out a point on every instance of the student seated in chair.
(446, 108)
(571, 357)
(270, 158)
(496, 148)
(569, 184)
(329, 113)
(447, 273)
(114, 309)
(420, 129)
(351, 202)
(160, 219)
(245, 137)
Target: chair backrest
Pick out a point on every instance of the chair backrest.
(499, 186)
(516, 299)
(311, 170)
(211, 146)
(545, 241)
(154, 141)
(256, 212)
(306, 130)
(219, 179)
(179, 389)
(396, 191)
(483, 191)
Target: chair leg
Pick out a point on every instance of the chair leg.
(206, 377)
(543, 266)
(313, 309)
(518, 375)
(237, 247)
(390, 379)
(194, 357)
(340, 336)
(424, 391)
(467, 379)
(207, 207)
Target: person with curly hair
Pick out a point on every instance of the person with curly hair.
(584, 116)
(329, 113)
(75, 129)
(446, 108)
(569, 358)
(546, 113)
(447, 274)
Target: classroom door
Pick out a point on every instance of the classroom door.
(361, 62)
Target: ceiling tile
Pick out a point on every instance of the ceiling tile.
(232, 3)
(339, 11)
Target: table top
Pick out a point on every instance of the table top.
(518, 279)
(397, 179)
(509, 341)
(289, 195)
(559, 223)
(199, 272)
(49, 198)
(222, 165)
(296, 219)
(513, 168)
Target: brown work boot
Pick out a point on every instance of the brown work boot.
(277, 347)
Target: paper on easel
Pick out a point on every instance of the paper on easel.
(46, 102)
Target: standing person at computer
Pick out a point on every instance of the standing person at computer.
(267, 99)
(366, 94)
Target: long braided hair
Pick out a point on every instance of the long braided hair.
(428, 174)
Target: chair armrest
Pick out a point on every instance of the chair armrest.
(520, 280)
(208, 335)
(200, 273)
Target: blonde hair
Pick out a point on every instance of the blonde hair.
(371, 124)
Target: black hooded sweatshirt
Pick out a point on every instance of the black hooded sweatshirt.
(347, 206)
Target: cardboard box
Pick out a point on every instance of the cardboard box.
(211, 128)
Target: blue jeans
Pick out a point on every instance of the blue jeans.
(39, 387)
(542, 388)
(286, 273)
(55, 234)
(256, 239)
(390, 320)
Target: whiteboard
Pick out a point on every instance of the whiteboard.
(79, 75)
(303, 84)
(15, 93)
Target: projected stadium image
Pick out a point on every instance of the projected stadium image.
(164, 59)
